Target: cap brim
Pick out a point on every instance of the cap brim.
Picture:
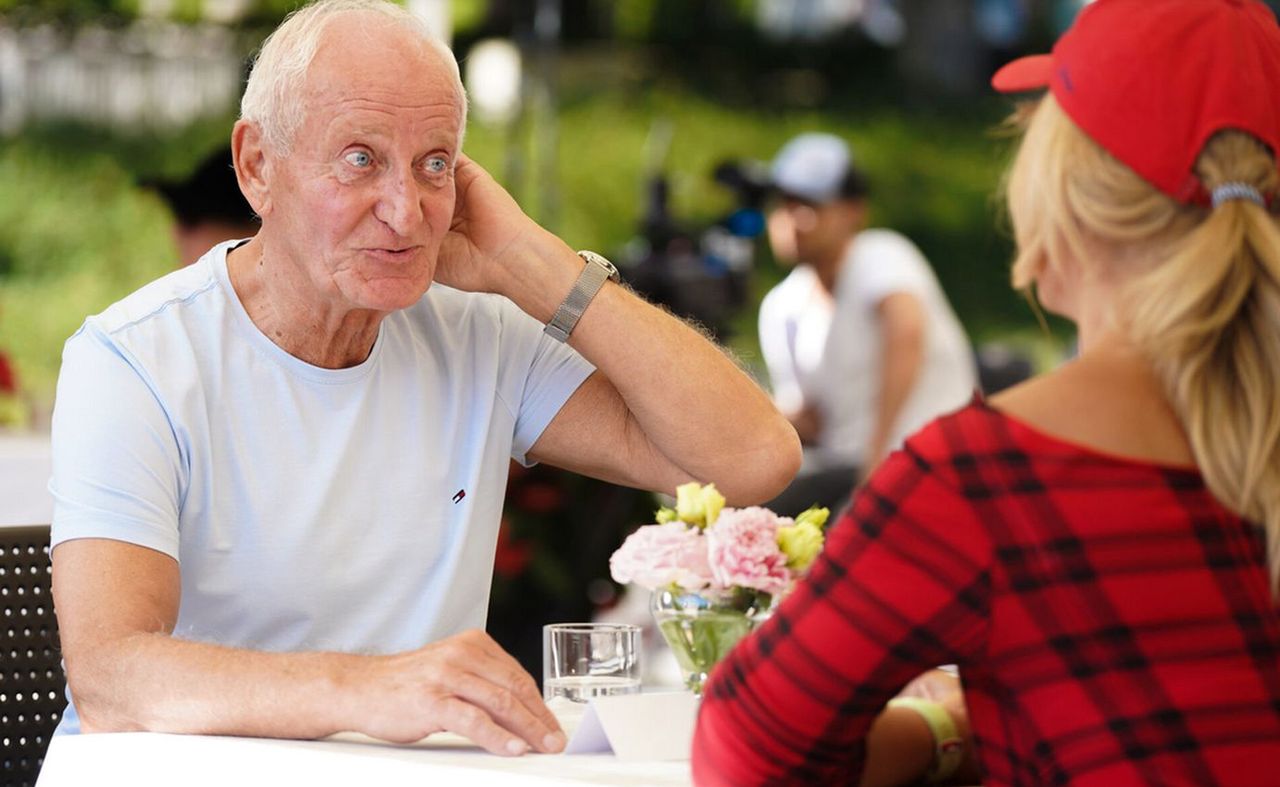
(785, 194)
(1025, 73)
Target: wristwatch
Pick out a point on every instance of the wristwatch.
(593, 276)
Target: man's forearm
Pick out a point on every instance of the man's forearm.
(901, 357)
(465, 684)
(157, 683)
(897, 380)
(691, 401)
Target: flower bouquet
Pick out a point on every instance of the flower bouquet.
(715, 572)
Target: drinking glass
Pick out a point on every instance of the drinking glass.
(585, 660)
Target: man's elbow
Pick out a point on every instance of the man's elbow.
(95, 714)
(101, 704)
(789, 454)
(769, 467)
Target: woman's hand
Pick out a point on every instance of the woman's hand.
(944, 688)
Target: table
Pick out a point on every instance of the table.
(144, 759)
(25, 465)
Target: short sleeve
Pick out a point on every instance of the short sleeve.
(117, 467)
(777, 345)
(885, 263)
(548, 374)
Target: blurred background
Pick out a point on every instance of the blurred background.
(634, 127)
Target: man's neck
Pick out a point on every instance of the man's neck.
(327, 338)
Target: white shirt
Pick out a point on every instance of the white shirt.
(826, 350)
(309, 509)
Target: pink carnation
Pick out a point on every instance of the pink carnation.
(743, 549)
(658, 555)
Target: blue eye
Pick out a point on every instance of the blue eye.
(358, 158)
(437, 165)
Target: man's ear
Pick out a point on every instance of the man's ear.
(855, 213)
(253, 171)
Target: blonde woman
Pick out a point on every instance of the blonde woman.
(1097, 549)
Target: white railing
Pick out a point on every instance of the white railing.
(151, 75)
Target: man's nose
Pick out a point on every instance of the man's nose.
(400, 204)
(804, 217)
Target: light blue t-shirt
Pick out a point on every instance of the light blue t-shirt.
(349, 510)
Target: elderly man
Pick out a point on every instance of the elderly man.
(279, 472)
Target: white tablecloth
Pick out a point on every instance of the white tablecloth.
(25, 465)
(142, 759)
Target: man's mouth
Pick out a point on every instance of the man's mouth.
(393, 253)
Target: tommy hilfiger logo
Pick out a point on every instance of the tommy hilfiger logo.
(457, 498)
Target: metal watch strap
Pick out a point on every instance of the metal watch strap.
(596, 272)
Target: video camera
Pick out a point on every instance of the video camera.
(699, 274)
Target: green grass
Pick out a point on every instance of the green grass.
(77, 233)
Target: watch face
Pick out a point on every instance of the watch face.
(591, 256)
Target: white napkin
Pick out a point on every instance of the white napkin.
(657, 726)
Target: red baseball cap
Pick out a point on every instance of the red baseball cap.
(1151, 80)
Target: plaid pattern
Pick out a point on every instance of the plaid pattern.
(1111, 620)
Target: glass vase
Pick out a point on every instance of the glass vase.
(701, 627)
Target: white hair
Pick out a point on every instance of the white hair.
(273, 96)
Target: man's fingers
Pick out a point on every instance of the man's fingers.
(470, 721)
(478, 655)
(512, 712)
(498, 668)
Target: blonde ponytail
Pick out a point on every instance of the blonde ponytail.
(1209, 320)
(1204, 303)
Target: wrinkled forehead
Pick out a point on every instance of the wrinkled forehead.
(368, 61)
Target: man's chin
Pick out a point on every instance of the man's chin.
(391, 297)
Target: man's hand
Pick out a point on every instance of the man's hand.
(488, 228)
(465, 684)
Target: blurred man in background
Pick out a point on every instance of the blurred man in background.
(861, 345)
(208, 207)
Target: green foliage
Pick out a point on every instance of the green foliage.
(13, 412)
(467, 15)
(68, 12)
(633, 19)
(75, 235)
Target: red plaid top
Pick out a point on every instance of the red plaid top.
(1112, 623)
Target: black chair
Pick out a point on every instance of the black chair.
(32, 695)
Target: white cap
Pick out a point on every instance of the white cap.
(813, 167)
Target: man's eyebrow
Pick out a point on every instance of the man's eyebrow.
(338, 128)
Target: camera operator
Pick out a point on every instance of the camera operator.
(861, 345)
(700, 274)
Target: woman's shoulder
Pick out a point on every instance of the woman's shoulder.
(1084, 414)
(1110, 404)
